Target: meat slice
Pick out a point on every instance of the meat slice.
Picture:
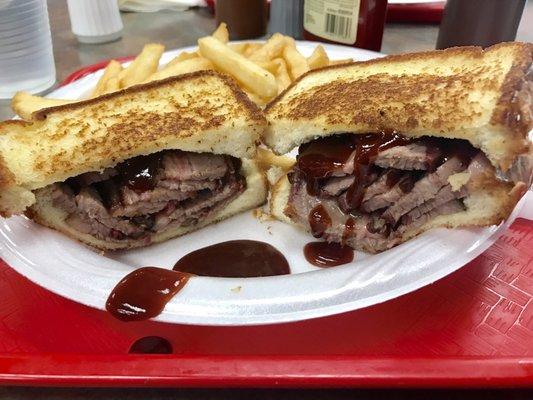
(88, 226)
(199, 207)
(443, 196)
(424, 190)
(63, 197)
(90, 203)
(148, 202)
(184, 166)
(93, 177)
(337, 185)
(189, 186)
(387, 198)
(413, 156)
(451, 207)
(379, 186)
(208, 200)
(358, 236)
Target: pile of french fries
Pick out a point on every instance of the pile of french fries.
(262, 70)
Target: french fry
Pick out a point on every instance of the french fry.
(282, 75)
(111, 71)
(112, 85)
(238, 47)
(251, 48)
(191, 65)
(144, 65)
(184, 55)
(25, 104)
(270, 66)
(221, 33)
(319, 58)
(338, 62)
(250, 75)
(266, 159)
(271, 49)
(297, 64)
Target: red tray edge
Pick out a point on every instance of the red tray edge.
(269, 371)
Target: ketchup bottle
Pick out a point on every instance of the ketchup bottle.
(357, 23)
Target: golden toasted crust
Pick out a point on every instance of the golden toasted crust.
(510, 110)
(199, 112)
(461, 93)
(249, 106)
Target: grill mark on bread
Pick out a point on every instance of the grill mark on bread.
(519, 76)
(412, 105)
(251, 108)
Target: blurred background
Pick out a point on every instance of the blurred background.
(176, 29)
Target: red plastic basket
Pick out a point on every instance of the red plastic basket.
(473, 328)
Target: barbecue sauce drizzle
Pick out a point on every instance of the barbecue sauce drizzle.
(139, 173)
(321, 158)
(143, 293)
(325, 255)
(319, 220)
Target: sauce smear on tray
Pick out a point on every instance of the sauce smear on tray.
(143, 293)
(325, 255)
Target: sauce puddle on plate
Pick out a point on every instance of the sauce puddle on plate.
(144, 293)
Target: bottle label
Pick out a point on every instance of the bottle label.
(335, 20)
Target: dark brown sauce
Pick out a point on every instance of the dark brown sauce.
(139, 173)
(323, 157)
(151, 345)
(235, 259)
(319, 220)
(324, 254)
(143, 293)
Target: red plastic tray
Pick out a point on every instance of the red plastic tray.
(473, 328)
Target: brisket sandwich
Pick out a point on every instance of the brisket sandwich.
(138, 166)
(392, 147)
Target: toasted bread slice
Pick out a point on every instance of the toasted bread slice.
(197, 112)
(483, 96)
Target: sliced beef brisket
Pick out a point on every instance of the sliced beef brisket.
(177, 188)
(401, 186)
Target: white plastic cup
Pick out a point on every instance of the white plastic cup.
(26, 54)
(95, 21)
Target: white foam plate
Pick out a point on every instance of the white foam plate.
(74, 271)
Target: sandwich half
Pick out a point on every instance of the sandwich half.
(138, 166)
(392, 147)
